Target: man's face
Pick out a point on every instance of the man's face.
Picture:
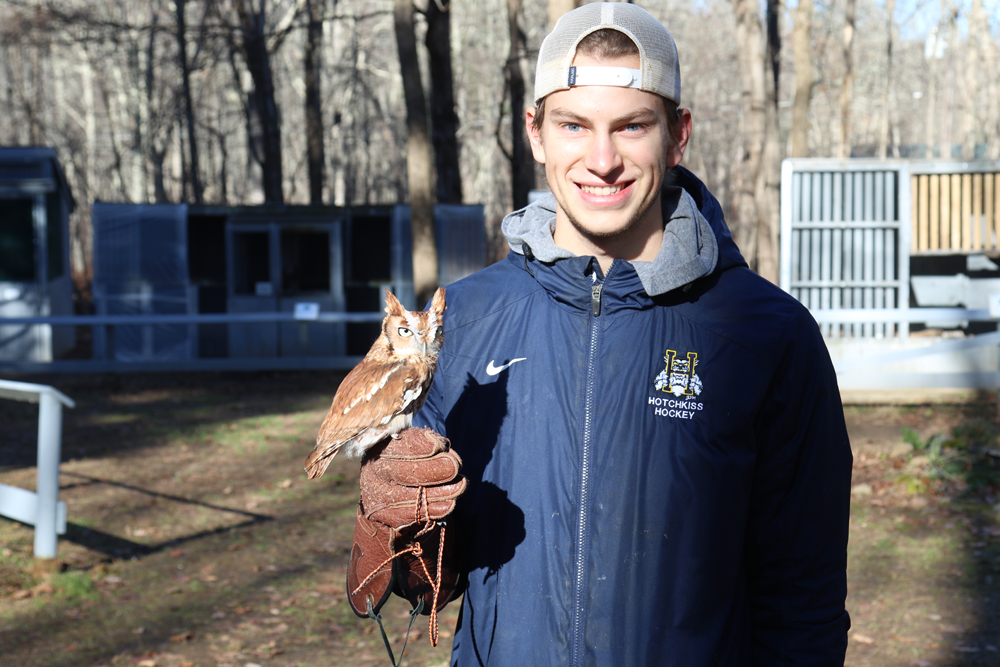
(605, 151)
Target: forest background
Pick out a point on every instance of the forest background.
(349, 102)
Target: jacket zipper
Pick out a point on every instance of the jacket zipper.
(588, 414)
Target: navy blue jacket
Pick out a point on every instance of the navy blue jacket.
(663, 482)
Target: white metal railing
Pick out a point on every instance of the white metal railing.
(867, 369)
(304, 315)
(40, 508)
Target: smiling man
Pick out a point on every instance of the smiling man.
(658, 467)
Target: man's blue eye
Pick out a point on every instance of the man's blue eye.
(633, 127)
(572, 127)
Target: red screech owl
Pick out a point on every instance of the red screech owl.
(380, 395)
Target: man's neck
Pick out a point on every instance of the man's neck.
(640, 242)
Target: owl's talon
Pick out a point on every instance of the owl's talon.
(395, 436)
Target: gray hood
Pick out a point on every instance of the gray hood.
(689, 249)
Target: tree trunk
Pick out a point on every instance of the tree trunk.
(991, 125)
(844, 150)
(254, 45)
(887, 105)
(444, 119)
(930, 135)
(559, 7)
(314, 113)
(522, 165)
(973, 124)
(769, 183)
(804, 78)
(418, 157)
(749, 37)
(194, 176)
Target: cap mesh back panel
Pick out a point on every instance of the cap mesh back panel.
(657, 51)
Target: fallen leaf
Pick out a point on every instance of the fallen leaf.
(862, 639)
(182, 637)
(904, 639)
(176, 553)
(42, 589)
(861, 490)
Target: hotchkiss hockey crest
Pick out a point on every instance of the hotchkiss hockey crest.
(680, 377)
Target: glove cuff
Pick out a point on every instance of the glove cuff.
(370, 573)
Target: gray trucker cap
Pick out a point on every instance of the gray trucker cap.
(659, 69)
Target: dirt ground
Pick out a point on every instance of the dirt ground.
(194, 538)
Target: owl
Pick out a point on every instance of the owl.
(380, 395)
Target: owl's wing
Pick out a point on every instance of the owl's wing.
(369, 397)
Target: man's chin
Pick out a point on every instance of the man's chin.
(604, 226)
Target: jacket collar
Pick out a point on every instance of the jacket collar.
(696, 242)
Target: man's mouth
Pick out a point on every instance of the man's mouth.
(603, 190)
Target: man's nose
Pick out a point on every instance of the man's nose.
(602, 155)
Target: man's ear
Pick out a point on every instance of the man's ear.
(534, 136)
(680, 140)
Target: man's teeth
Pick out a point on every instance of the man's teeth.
(605, 191)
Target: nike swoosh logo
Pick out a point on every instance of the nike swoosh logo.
(494, 370)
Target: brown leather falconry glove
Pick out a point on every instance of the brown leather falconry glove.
(401, 542)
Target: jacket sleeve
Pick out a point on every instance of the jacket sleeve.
(430, 414)
(800, 504)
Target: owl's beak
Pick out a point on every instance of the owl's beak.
(425, 347)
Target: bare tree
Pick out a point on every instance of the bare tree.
(182, 59)
(804, 77)
(444, 118)
(559, 7)
(522, 165)
(264, 105)
(418, 156)
(757, 196)
(844, 149)
(883, 137)
(314, 110)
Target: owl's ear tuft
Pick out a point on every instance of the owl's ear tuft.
(437, 303)
(392, 304)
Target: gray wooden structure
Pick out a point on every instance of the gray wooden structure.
(35, 203)
(872, 248)
(180, 287)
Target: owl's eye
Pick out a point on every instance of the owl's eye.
(404, 332)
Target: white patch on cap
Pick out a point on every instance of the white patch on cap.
(623, 77)
(607, 13)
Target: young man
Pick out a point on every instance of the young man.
(658, 468)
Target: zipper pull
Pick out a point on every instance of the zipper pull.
(595, 298)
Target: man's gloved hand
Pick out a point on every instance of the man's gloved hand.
(408, 486)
